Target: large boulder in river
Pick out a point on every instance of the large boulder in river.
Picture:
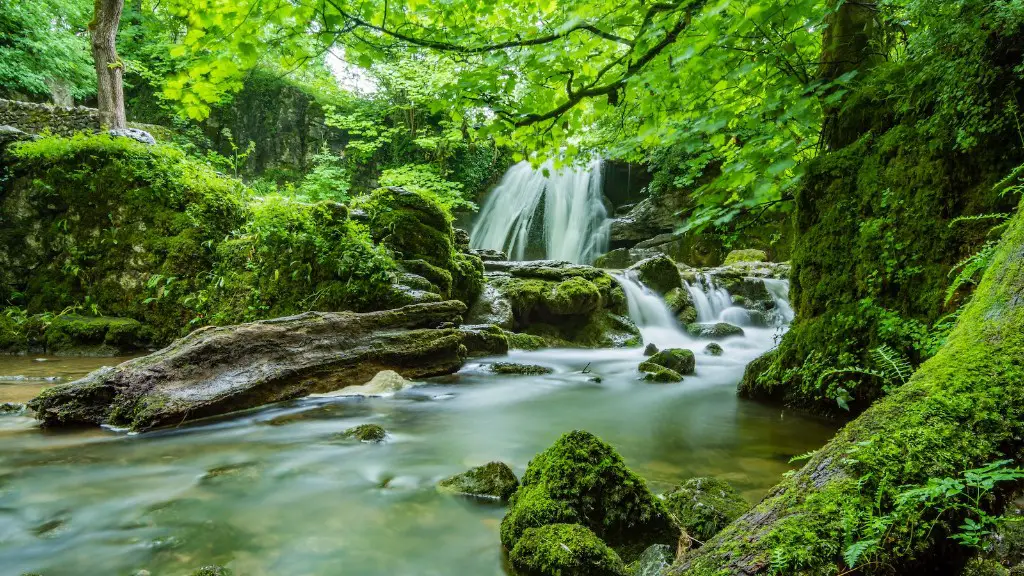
(218, 370)
(564, 304)
(582, 480)
(714, 331)
(494, 480)
(679, 359)
(659, 273)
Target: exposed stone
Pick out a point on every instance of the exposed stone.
(461, 239)
(133, 133)
(713, 349)
(493, 480)
(385, 382)
(544, 269)
(488, 255)
(218, 370)
(650, 350)
(366, 433)
(659, 273)
(514, 368)
(491, 307)
(484, 340)
(622, 258)
(749, 255)
(714, 331)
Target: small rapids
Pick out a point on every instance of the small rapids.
(274, 491)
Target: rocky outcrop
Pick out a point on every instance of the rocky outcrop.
(659, 273)
(494, 480)
(218, 370)
(561, 303)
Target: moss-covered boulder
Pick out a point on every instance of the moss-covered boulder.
(11, 409)
(582, 480)
(564, 550)
(484, 340)
(713, 349)
(494, 480)
(366, 433)
(515, 368)
(659, 273)
(212, 570)
(717, 330)
(75, 335)
(679, 359)
(652, 372)
(680, 303)
(650, 349)
(703, 506)
(748, 255)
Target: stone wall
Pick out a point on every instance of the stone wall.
(60, 120)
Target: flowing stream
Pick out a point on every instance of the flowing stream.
(574, 222)
(271, 492)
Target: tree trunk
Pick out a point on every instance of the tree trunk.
(962, 409)
(109, 68)
(847, 45)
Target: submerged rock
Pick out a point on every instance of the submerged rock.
(11, 409)
(749, 255)
(659, 273)
(713, 331)
(492, 480)
(582, 480)
(366, 433)
(218, 370)
(514, 368)
(564, 550)
(679, 359)
(650, 350)
(652, 562)
(713, 349)
(703, 506)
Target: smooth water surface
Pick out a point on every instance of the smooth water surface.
(272, 492)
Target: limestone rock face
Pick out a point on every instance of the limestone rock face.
(218, 370)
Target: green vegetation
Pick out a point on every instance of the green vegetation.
(564, 550)
(492, 480)
(703, 506)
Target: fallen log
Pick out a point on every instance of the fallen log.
(217, 370)
(961, 410)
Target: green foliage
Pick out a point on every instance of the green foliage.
(46, 41)
(564, 550)
(424, 178)
(327, 180)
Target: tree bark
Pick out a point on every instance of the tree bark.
(962, 409)
(109, 68)
(847, 45)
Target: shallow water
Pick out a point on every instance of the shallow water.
(271, 492)
(22, 377)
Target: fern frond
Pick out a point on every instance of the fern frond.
(970, 268)
(977, 217)
(895, 366)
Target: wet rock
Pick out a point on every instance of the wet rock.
(659, 273)
(564, 550)
(494, 480)
(384, 382)
(461, 239)
(218, 370)
(652, 562)
(717, 330)
(11, 409)
(680, 303)
(488, 255)
(484, 340)
(517, 341)
(679, 360)
(544, 269)
(523, 369)
(703, 506)
(491, 307)
(657, 373)
(713, 349)
(650, 350)
(407, 296)
(212, 571)
(749, 255)
(365, 433)
(416, 282)
(622, 258)
(582, 480)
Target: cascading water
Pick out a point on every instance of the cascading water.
(779, 290)
(575, 225)
(709, 300)
(649, 312)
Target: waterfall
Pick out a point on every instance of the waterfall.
(779, 290)
(575, 221)
(709, 300)
(651, 315)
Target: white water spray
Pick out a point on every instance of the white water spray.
(709, 300)
(575, 226)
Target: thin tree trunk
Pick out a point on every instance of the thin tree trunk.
(109, 68)
(962, 409)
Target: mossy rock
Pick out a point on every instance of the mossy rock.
(523, 369)
(580, 479)
(657, 373)
(212, 571)
(575, 296)
(411, 225)
(564, 550)
(11, 409)
(484, 340)
(366, 433)
(713, 349)
(650, 349)
(703, 506)
(680, 303)
(71, 334)
(748, 255)
(518, 341)
(494, 480)
(680, 360)
(717, 330)
(984, 567)
(659, 273)
(652, 562)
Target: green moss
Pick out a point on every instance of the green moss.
(657, 373)
(582, 479)
(703, 506)
(514, 368)
(212, 571)
(575, 296)
(715, 331)
(748, 255)
(492, 480)
(564, 550)
(659, 273)
(74, 334)
(983, 567)
(680, 360)
(366, 433)
(518, 341)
